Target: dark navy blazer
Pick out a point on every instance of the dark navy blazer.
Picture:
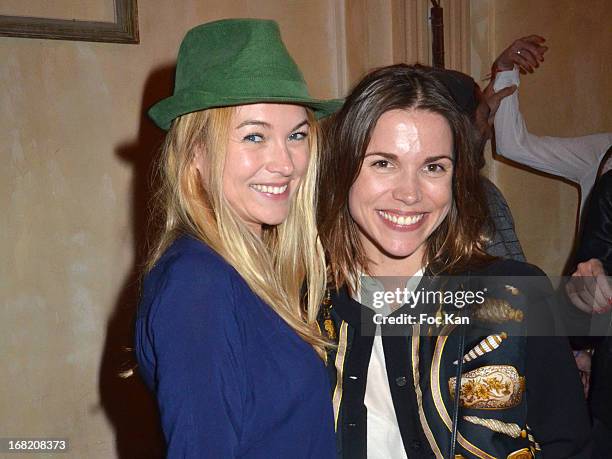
(232, 379)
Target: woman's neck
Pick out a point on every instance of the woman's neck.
(381, 264)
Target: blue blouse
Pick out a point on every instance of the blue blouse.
(232, 379)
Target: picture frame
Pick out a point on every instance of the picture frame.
(123, 30)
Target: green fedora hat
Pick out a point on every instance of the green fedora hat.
(235, 62)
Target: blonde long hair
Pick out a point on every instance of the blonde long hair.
(286, 267)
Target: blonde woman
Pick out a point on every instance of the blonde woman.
(226, 336)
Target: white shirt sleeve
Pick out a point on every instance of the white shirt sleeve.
(574, 158)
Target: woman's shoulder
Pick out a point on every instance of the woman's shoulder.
(188, 259)
(187, 304)
(187, 273)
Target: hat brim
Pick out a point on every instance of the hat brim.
(166, 110)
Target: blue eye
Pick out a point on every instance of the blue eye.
(256, 138)
(298, 136)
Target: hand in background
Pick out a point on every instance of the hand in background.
(526, 53)
(589, 289)
(487, 107)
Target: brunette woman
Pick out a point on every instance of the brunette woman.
(400, 195)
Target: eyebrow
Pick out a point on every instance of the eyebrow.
(432, 159)
(429, 159)
(380, 153)
(254, 123)
(267, 125)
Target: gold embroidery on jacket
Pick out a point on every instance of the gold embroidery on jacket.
(328, 322)
(497, 311)
(489, 344)
(523, 453)
(490, 387)
(436, 393)
(513, 290)
(506, 428)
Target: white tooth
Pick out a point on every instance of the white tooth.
(401, 220)
(283, 188)
(277, 190)
(267, 189)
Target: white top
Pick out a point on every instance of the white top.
(384, 439)
(574, 158)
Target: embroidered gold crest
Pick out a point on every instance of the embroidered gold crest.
(490, 387)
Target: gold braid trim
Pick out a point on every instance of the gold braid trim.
(506, 428)
(416, 377)
(489, 344)
(339, 363)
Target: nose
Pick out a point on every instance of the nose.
(407, 190)
(280, 159)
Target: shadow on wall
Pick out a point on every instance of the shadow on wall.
(127, 403)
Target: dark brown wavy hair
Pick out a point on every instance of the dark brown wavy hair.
(457, 244)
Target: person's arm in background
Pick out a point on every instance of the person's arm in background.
(575, 158)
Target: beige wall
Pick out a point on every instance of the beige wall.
(77, 151)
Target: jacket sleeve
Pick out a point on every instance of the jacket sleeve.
(557, 411)
(199, 379)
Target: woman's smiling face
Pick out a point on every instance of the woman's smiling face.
(404, 189)
(267, 156)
